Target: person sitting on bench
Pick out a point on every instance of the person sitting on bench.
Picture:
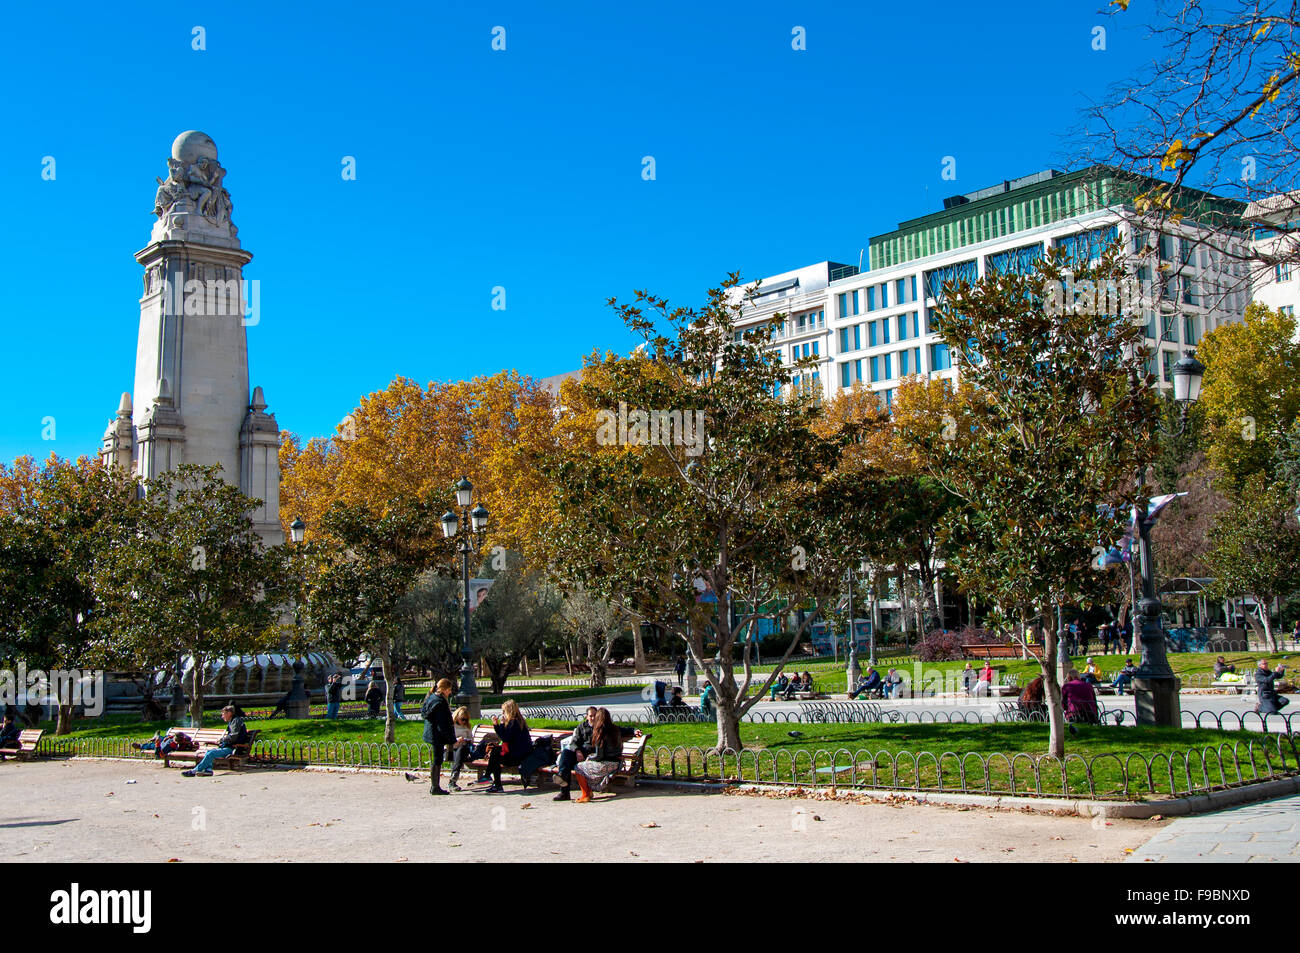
(1080, 701)
(807, 685)
(463, 748)
(236, 735)
(780, 685)
(580, 747)
(1033, 700)
(594, 771)
(1125, 676)
(1220, 666)
(516, 743)
(891, 683)
(661, 690)
(1091, 673)
(10, 731)
(867, 684)
(794, 686)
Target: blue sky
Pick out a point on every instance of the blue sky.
(477, 169)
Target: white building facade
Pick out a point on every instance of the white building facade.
(876, 327)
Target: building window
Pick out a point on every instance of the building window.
(904, 363)
(844, 339)
(1282, 272)
(846, 375)
(884, 296)
(884, 331)
(889, 373)
(940, 360)
(871, 299)
(875, 370)
(1288, 310)
(871, 334)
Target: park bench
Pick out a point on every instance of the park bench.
(999, 651)
(487, 733)
(633, 753)
(1245, 687)
(207, 738)
(28, 739)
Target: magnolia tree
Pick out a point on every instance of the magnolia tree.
(363, 569)
(56, 522)
(1056, 413)
(694, 495)
(193, 578)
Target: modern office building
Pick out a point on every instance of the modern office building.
(876, 326)
(1276, 283)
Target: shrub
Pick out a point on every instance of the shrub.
(945, 646)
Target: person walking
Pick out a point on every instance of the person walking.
(1270, 702)
(680, 668)
(438, 729)
(333, 695)
(399, 696)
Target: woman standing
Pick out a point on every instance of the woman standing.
(605, 760)
(438, 733)
(516, 743)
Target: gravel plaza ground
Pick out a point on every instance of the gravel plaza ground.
(73, 811)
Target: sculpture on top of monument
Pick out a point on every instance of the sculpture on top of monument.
(193, 182)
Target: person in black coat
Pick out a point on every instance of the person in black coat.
(1270, 702)
(438, 729)
(516, 742)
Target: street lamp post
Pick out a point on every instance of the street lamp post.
(298, 704)
(467, 531)
(1155, 686)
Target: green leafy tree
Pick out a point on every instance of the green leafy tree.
(194, 578)
(363, 571)
(1250, 398)
(595, 624)
(1255, 551)
(1057, 415)
(512, 621)
(715, 502)
(56, 523)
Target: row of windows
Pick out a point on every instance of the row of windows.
(903, 326)
(994, 223)
(878, 296)
(882, 367)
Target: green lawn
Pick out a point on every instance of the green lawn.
(930, 756)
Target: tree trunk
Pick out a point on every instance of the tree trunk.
(1052, 686)
(638, 650)
(728, 721)
(64, 723)
(386, 666)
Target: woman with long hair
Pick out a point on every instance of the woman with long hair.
(605, 759)
(516, 743)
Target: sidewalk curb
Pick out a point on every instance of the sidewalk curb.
(1127, 810)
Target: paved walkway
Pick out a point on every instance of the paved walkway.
(1265, 832)
(76, 811)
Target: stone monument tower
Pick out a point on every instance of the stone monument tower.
(191, 402)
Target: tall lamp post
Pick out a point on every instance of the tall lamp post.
(1155, 686)
(298, 704)
(467, 531)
